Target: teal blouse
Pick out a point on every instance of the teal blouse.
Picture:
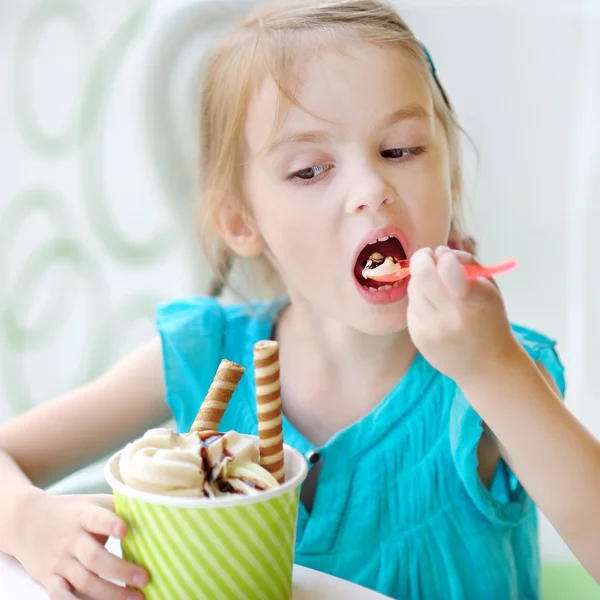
(399, 506)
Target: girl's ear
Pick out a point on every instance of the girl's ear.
(240, 232)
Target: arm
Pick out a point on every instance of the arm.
(63, 435)
(553, 455)
(461, 328)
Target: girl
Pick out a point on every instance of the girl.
(326, 137)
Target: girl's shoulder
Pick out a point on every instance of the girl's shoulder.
(191, 320)
(207, 312)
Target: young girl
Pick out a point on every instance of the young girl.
(326, 137)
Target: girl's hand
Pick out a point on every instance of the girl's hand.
(460, 326)
(60, 540)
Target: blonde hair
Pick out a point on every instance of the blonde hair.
(267, 42)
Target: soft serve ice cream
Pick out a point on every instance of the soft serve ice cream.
(205, 463)
(378, 265)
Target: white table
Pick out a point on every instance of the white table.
(15, 584)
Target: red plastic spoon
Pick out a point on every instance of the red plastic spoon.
(473, 271)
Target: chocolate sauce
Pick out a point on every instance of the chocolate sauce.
(206, 439)
(373, 263)
(225, 487)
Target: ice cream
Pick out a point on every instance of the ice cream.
(378, 265)
(208, 464)
(203, 462)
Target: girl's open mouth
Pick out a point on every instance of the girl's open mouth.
(374, 253)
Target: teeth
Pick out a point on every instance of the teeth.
(382, 239)
(385, 288)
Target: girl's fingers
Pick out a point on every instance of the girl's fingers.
(97, 559)
(95, 519)
(103, 500)
(453, 276)
(465, 258)
(425, 280)
(60, 589)
(93, 587)
(440, 251)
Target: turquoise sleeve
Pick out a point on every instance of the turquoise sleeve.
(505, 502)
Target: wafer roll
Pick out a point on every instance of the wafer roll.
(268, 398)
(221, 389)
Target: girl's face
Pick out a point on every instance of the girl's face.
(364, 159)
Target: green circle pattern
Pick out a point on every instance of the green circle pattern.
(42, 14)
(27, 275)
(101, 80)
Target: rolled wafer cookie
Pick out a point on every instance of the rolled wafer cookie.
(268, 399)
(221, 389)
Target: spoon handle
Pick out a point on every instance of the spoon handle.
(473, 272)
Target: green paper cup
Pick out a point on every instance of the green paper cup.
(230, 548)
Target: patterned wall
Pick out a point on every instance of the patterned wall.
(96, 195)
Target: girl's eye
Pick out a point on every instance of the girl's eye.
(311, 173)
(402, 153)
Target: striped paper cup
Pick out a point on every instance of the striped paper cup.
(230, 548)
